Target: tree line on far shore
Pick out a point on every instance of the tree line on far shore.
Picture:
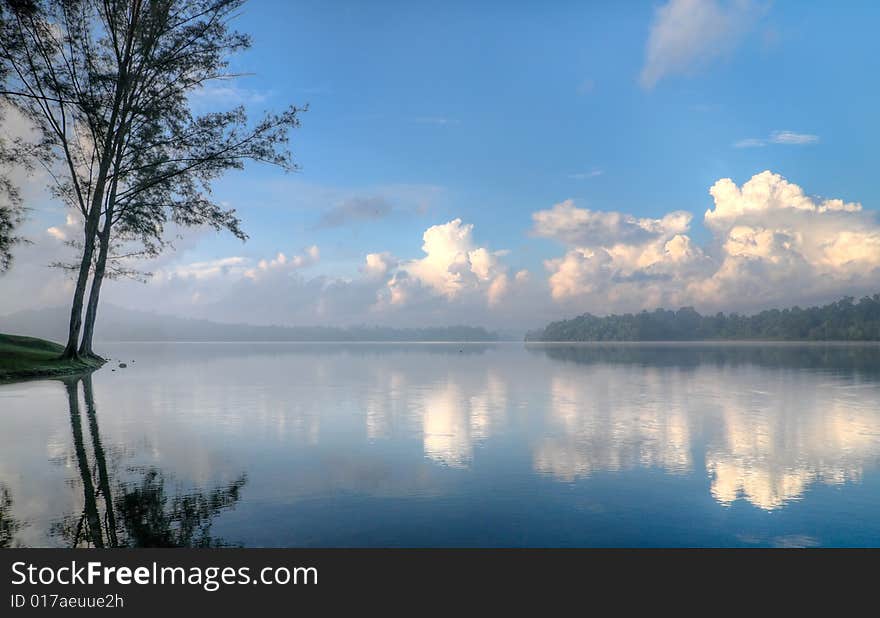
(844, 320)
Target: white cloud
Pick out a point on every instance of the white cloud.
(772, 244)
(497, 289)
(789, 138)
(282, 262)
(225, 94)
(455, 281)
(378, 264)
(454, 271)
(207, 270)
(763, 195)
(452, 264)
(613, 253)
(234, 268)
(572, 225)
(688, 34)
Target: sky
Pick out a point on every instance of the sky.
(507, 164)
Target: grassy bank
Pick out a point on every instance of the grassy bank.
(28, 357)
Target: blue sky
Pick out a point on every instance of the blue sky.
(505, 105)
(423, 113)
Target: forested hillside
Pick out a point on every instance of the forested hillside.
(845, 320)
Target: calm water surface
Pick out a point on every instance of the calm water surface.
(448, 444)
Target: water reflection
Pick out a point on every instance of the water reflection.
(151, 518)
(858, 358)
(608, 421)
(142, 514)
(455, 419)
(446, 444)
(770, 434)
(771, 451)
(8, 524)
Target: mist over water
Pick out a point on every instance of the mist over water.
(448, 444)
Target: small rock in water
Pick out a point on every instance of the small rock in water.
(122, 365)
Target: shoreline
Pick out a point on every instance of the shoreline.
(29, 358)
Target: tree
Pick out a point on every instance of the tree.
(107, 84)
(10, 217)
(10, 199)
(844, 320)
(10, 203)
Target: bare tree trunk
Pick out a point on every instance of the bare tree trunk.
(79, 293)
(93, 220)
(91, 233)
(85, 348)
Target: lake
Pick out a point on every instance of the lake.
(505, 444)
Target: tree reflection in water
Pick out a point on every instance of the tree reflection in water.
(135, 513)
(8, 525)
(149, 518)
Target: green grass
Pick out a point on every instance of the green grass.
(29, 357)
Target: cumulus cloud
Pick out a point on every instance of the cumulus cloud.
(281, 262)
(688, 34)
(573, 225)
(456, 280)
(378, 264)
(235, 267)
(497, 289)
(452, 267)
(612, 251)
(776, 240)
(771, 244)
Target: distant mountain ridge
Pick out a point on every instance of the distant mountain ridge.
(119, 324)
(845, 320)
